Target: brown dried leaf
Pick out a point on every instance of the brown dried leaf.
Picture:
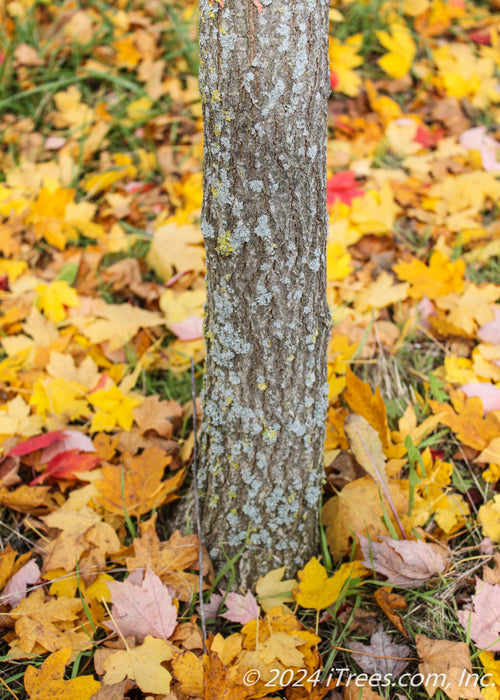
(446, 665)
(406, 563)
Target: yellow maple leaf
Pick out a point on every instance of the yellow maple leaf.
(71, 111)
(187, 196)
(489, 518)
(399, 42)
(471, 308)
(60, 397)
(374, 212)
(12, 268)
(53, 297)
(272, 591)
(381, 292)
(344, 58)
(127, 56)
(462, 74)
(48, 680)
(176, 246)
(139, 109)
(48, 214)
(458, 370)
(142, 664)
(438, 278)
(317, 591)
(338, 261)
(114, 408)
(15, 419)
(103, 181)
(492, 673)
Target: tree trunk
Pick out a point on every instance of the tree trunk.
(264, 88)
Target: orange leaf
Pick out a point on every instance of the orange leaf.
(467, 420)
(362, 401)
(389, 602)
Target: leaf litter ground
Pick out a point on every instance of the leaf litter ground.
(101, 295)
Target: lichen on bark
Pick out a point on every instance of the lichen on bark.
(264, 88)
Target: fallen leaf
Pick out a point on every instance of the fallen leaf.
(17, 586)
(272, 591)
(241, 608)
(141, 664)
(390, 602)
(382, 655)
(67, 465)
(366, 446)
(440, 277)
(405, 563)
(370, 406)
(489, 517)
(167, 559)
(176, 247)
(37, 443)
(488, 393)
(42, 622)
(157, 415)
(343, 516)
(482, 620)
(446, 665)
(316, 590)
(80, 530)
(490, 332)
(142, 610)
(467, 420)
(47, 682)
(138, 484)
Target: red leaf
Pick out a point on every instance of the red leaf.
(479, 37)
(342, 186)
(65, 465)
(334, 81)
(37, 443)
(426, 138)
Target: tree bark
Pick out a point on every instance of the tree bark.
(264, 88)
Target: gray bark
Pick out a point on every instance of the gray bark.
(264, 88)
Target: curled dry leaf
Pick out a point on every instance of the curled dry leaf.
(390, 602)
(405, 563)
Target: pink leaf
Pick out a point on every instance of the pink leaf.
(37, 443)
(211, 609)
(476, 139)
(490, 332)
(342, 186)
(73, 440)
(241, 608)
(483, 619)
(17, 586)
(143, 609)
(189, 329)
(406, 563)
(488, 393)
